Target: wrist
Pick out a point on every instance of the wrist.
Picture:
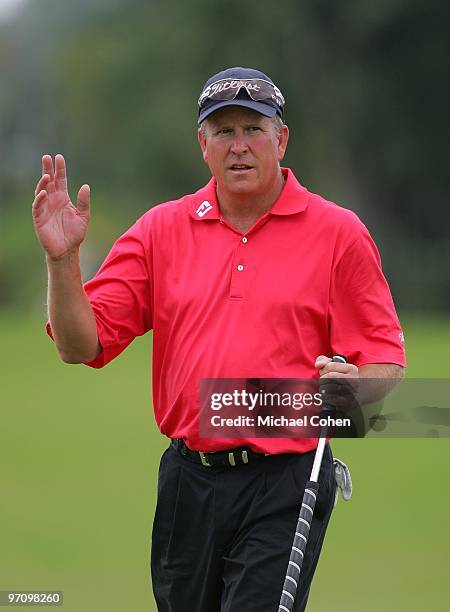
(69, 257)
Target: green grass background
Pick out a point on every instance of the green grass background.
(79, 454)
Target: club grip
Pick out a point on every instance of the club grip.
(339, 358)
(298, 548)
(327, 409)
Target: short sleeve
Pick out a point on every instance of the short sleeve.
(363, 322)
(121, 295)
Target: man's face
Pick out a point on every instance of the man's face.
(243, 150)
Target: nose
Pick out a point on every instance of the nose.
(239, 145)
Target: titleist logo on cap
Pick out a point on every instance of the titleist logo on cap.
(236, 84)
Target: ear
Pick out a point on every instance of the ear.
(283, 139)
(202, 143)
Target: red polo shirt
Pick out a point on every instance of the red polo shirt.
(305, 280)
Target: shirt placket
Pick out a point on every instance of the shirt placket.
(238, 269)
(242, 259)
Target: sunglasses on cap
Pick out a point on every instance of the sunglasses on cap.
(228, 89)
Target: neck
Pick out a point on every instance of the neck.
(248, 208)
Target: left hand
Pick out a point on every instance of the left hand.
(333, 369)
(340, 394)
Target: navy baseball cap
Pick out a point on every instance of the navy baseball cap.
(240, 87)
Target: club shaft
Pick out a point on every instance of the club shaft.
(318, 458)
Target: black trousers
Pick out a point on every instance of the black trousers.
(222, 536)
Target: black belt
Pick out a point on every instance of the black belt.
(232, 457)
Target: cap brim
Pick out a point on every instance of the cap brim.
(259, 107)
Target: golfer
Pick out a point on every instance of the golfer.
(253, 276)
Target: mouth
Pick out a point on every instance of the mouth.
(240, 168)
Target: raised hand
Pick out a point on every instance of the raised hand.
(60, 226)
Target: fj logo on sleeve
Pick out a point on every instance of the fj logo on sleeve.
(203, 208)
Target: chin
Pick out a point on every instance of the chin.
(242, 186)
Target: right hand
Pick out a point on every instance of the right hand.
(59, 226)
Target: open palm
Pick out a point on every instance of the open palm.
(60, 226)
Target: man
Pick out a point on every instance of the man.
(251, 276)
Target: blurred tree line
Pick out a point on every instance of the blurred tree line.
(113, 85)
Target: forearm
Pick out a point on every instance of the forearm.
(70, 312)
(378, 380)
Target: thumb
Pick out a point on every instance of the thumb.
(84, 200)
(321, 361)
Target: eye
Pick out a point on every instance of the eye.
(224, 131)
(254, 128)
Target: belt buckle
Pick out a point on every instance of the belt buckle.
(232, 459)
(203, 459)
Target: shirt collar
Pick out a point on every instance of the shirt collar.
(293, 199)
(204, 203)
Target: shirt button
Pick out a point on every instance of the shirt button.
(240, 268)
(244, 239)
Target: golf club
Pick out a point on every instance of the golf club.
(294, 567)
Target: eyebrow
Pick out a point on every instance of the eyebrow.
(218, 124)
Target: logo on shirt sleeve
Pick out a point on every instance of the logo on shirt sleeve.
(203, 208)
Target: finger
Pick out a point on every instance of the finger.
(336, 366)
(47, 168)
(41, 184)
(321, 361)
(40, 197)
(60, 173)
(84, 200)
(333, 386)
(342, 390)
(351, 373)
(38, 202)
(340, 401)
